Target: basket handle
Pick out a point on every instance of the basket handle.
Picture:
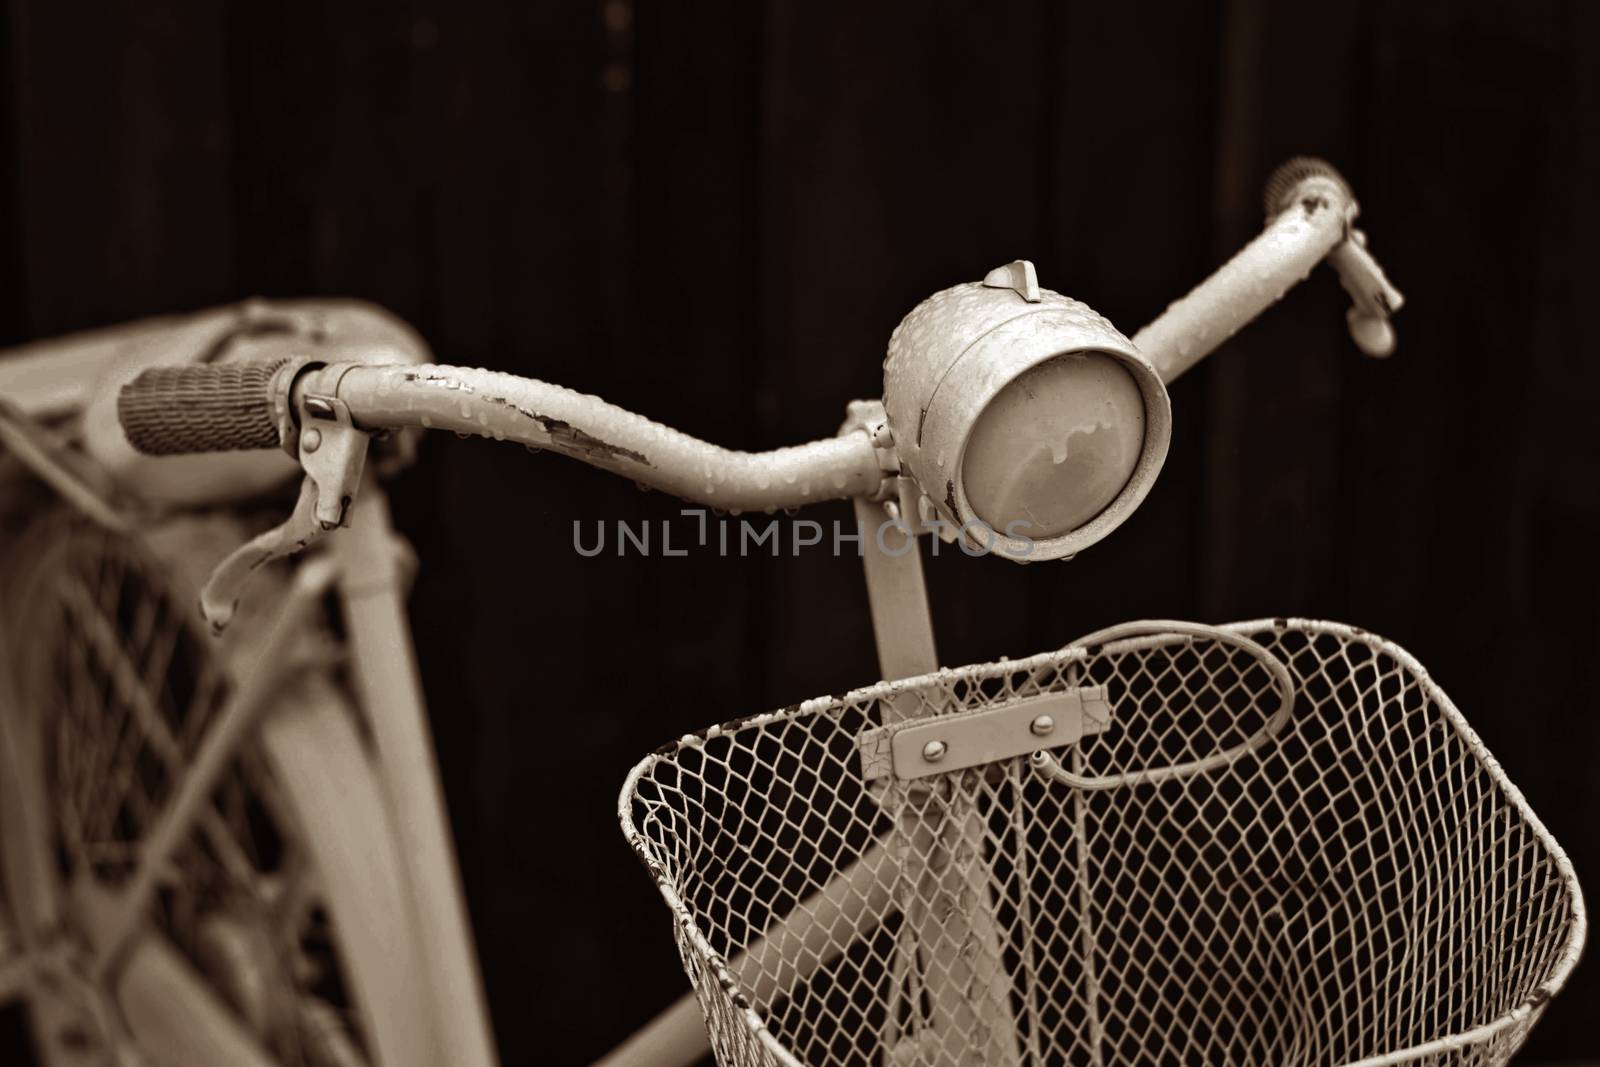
(1133, 633)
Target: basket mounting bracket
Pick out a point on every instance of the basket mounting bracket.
(920, 748)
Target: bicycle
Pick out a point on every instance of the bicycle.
(182, 890)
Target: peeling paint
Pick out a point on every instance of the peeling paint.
(566, 436)
(587, 443)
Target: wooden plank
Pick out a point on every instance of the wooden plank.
(1269, 536)
(333, 159)
(124, 185)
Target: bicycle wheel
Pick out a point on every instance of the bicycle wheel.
(280, 926)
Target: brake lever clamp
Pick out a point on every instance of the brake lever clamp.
(332, 451)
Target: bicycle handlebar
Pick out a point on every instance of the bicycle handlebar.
(231, 406)
(980, 343)
(507, 407)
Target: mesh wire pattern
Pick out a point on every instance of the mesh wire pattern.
(1368, 888)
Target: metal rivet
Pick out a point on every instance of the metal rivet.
(934, 751)
(1041, 726)
(311, 440)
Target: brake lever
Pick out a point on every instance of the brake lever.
(333, 453)
(1372, 298)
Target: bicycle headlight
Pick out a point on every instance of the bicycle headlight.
(1028, 421)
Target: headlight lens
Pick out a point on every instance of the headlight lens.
(1055, 446)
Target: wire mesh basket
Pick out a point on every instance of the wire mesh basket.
(1275, 842)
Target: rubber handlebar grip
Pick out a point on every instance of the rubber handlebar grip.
(201, 408)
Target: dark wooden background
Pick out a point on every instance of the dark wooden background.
(715, 214)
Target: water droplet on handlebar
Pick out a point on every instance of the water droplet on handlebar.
(533, 450)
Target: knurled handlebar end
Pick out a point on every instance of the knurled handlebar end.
(1281, 185)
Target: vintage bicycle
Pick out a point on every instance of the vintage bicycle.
(221, 828)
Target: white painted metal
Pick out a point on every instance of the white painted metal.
(954, 353)
(1280, 901)
(1249, 283)
(505, 407)
(1127, 637)
(175, 1015)
(55, 378)
(897, 593)
(371, 587)
(343, 811)
(946, 743)
(965, 991)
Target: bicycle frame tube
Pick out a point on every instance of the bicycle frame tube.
(370, 587)
(966, 992)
